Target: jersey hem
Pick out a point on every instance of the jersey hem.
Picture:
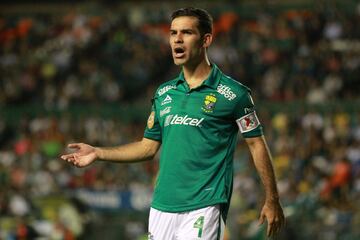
(254, 133)
(152, 136)
(187, 207)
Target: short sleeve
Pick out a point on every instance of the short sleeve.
(153, 128)
(246, 118)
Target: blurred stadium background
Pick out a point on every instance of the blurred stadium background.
(86, 71)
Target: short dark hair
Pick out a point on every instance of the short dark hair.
(204, 18)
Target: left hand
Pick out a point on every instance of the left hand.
(273, 213)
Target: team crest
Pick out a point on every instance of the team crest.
(150, 121)
(209, 103)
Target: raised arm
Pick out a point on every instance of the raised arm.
(272, 210)
(132, 152)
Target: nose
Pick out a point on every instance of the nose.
(178, 38)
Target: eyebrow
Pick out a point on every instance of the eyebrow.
(183, 30)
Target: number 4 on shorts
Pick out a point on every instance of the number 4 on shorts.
(199, 224)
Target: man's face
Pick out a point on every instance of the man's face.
(186, 41)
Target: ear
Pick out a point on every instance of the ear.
(207, 40)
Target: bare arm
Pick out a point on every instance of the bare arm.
(262, 161)
(132, 152)
(272, 210)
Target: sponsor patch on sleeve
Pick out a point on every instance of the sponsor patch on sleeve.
(248, 122)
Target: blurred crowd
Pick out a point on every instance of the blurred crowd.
(119, 56)
(317, 161)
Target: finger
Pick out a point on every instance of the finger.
(261, 219)
(282, 222)
(66, 157)
(279, 223)
(74, 145)
(270, 228)
(71, 158)
(276, 227)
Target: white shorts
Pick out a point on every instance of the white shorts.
(201, 224)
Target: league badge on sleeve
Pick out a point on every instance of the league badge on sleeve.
(248, 122)
(151, 119)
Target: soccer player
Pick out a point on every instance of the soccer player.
(196, 118)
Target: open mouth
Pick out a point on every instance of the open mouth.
(179, 52)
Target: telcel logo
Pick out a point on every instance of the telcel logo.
(185, 120)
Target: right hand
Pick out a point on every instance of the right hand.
(83, 156)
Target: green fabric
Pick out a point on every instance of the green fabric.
(198, 131)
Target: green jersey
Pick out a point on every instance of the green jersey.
(198, 129)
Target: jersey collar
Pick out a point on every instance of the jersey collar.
(212, 81)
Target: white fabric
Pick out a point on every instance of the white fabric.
(182, 226)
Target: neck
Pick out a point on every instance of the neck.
(197, 73)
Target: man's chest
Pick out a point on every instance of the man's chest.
(194, 108)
